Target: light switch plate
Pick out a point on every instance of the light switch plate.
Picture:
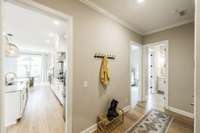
(85, 84)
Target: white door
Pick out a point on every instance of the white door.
(145, 73)
(136, 73)
(151, 72)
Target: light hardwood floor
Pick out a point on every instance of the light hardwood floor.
(43, 113)
(180, 124)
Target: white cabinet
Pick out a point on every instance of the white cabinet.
(23, 100)
(57, 88)
(12, 107)
(15, 102)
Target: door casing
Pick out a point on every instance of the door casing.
(32, 5)
(145, 70)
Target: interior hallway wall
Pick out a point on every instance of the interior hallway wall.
(181, 64)
(95, 33)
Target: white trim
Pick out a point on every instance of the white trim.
(2, 98)
(181, 112)
(132, 43)
(41, 8)
(197, 68)
(167, 129)
(2, 127)
(51, 12)
(93, 128)
(169, 27)
(144, 67)
(110, 15)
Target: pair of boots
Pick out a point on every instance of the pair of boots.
(112, 111)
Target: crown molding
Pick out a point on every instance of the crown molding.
(106, 13)
(110, 15)
(169, 27)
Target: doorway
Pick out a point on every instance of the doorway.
(136, 73)
(32, 58)
(156, 74)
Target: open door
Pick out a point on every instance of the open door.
(145, 72)
(155, 74)
(136, 73)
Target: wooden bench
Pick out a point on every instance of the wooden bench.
(106, 126)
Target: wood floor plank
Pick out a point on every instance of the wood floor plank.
(43, 113)
(177, 125)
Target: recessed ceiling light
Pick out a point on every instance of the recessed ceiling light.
(140, 1)
(56, 22)
(47, 41)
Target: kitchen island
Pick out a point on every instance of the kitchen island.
(16, 96)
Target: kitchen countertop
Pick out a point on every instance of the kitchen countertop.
(18, 86)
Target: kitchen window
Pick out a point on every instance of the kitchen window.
(29, 66)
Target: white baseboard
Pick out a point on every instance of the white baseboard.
(181, 112)
(93, 128)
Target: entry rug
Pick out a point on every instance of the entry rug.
(154, 121)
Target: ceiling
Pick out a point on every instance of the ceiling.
(32, 31)
(145, 16)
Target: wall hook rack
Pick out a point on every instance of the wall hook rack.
(100, 55)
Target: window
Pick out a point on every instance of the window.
(29, 66)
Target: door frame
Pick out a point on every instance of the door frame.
(145, 82)
(32, 5)
(132, 43)
(197, 68)
(2, 129)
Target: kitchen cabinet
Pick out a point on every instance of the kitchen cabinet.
(58, 89)
(15, 102)
(12, 107)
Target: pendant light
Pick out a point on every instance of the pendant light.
(11, 49)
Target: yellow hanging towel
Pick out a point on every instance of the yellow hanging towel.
(104, 72)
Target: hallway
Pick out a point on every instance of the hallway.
(43, 113)
(156, 101)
